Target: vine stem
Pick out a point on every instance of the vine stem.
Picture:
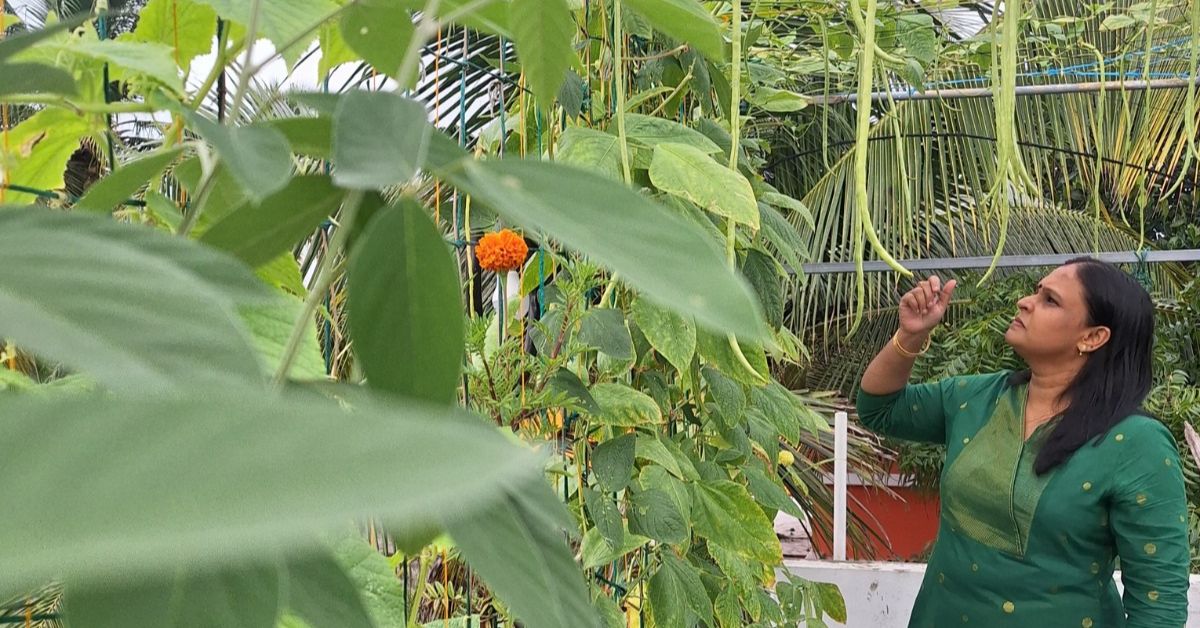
(619, 68)
(324, 279)
(244, 75)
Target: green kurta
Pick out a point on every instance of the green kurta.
(1016, 549)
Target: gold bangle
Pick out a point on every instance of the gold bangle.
(909, 354)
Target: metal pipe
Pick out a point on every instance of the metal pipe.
(986, 92)
(1006, 261)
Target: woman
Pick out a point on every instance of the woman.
(1050, 473)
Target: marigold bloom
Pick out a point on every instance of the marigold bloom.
(501, 251)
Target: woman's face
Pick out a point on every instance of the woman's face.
(1052, 323)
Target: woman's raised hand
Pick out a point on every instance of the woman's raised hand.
(922, 308)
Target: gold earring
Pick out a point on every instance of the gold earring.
(1081, 352)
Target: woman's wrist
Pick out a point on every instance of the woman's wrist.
(910, 344)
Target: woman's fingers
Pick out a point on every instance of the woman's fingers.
(923, 297)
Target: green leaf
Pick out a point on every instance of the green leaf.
(469, 621)
(226, 193)
(650, 131)
(334, 50)
(591, 150)
(320, 592)
(571, 95)
(778, 100)
(566, 382)
(622, 406)
(617, 227)
(258, 233)
(717, 352)
(40, 147)
(379, 33)
(916, 33)
(604, 329)
(654, 514)
(112, 300)
(270, 327)
(11, 45)
(595, 552)
(237, 597)
(280, 21)
(1117, 22)
(186, 26)
(727, 609)
(725, 514)
(114, 189)
(651, 448)
(669, 333)
(526, 562)
(612, 463)
(308, 136)
(765, 275)
(539, 269)
(689, 173)
(35, 78)
(685, 20)
(654, 477)
(605, 515)
(780, 407)
(374, 579)
(543, 31)
(728, 393)
(258, 156)
(379, 139)
(783, 236)
(830, 600)
(610, 613)
(768, 492)
(150, 60)
(260, 473)
(676, 594)
(405, 307)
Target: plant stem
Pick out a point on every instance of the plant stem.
(244, 75)
(203, 190)
(619, 69)
(325, 275)
(419, 593)
(219, 66)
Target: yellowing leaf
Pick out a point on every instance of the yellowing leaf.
(186, 26)
(42, 145)
(689, 173)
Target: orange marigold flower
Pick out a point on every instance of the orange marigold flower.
(501, 251)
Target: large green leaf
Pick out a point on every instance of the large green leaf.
(612, 463)
(379, 139)
(783, 237)
(763, 272)
(187, 26)
(689, 173)
(604, 329)
(258, 233)
(233, 597)
(375, 579)
(379, 33)
(685, 20)
(606, 516)
(669, 333)
(614, 225)
(40, 147)
(114, 189)
(724, 513)
(676, 594)
(334, 50)
(13, 44)
(653, 513)
(322, 594)
(623, 406)
(525, 560)
(768, 492)
(281, 21)
(592, 150)
(594, 551)
(728, 393)
(717, 351)
(405, 307)
(650, 131)
(150, 60)
(34, 78)
(134, 308)
(201, 477)
(258, 156)
(544, 33)
(270, 327)
(655, 477)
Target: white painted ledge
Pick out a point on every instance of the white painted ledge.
(881, 595)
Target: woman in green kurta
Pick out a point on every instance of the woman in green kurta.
(1051, 473)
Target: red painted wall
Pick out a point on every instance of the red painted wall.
(908, 522)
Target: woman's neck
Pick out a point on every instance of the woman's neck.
(1047, 385)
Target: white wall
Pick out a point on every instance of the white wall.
(880, 595)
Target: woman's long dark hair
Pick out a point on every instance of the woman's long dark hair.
(1115, 379)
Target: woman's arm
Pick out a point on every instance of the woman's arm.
(1148, 513)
